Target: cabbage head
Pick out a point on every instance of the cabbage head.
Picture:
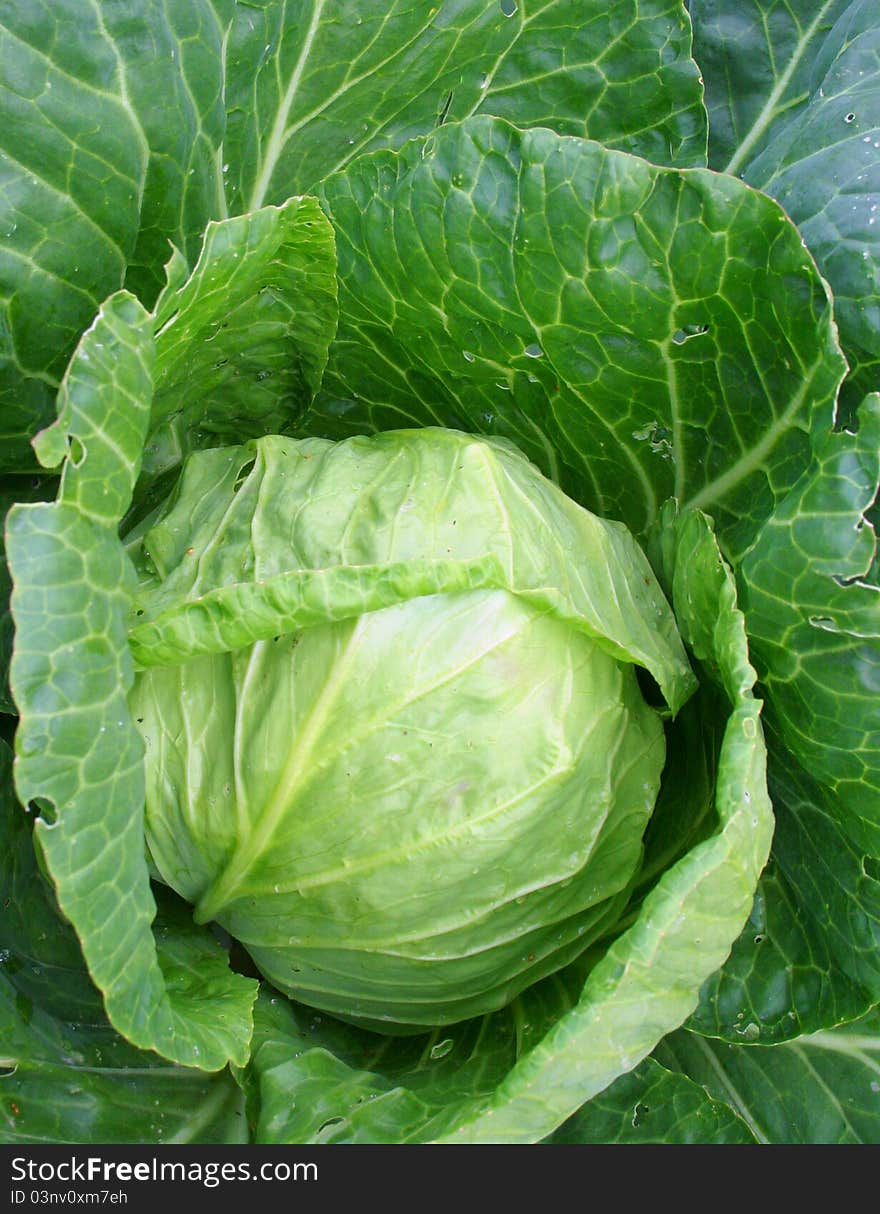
(396, 739)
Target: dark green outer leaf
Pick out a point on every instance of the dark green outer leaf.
(71, 174)
(128, 126)
(601, 70)
(757, 58)
(794, 100)
(806, 594)
(808, 959)
(173, 60)
(823, 166)
(65, 1100)
(559, 294)
(652, 1104)
(822, 1088)
(112, 124)
(312, 86)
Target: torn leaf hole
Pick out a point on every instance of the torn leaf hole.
(444, 111)
(167, 323)
(871, 867)
(243, 474)
(686, 332)
(330, 1124)
(824, 622)
(43, 808)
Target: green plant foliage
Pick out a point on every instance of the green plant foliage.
(440, 626)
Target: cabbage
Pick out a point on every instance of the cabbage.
(504, 374)
(431, 788)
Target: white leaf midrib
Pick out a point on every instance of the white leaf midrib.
(769, 109)
(278, 135)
